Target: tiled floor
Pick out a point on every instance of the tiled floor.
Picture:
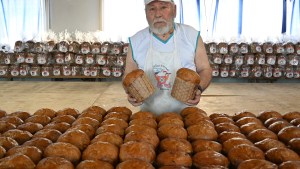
(219, 97)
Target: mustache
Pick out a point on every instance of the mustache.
(159, 20)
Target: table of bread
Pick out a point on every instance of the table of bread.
(122, 139)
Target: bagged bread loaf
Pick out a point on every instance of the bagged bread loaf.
(185, 84)
(138, 85)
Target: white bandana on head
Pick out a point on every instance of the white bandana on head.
(149, 1)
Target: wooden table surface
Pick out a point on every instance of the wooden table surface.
(218, 98)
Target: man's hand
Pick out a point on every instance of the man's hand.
(132, 100)
(195, 100)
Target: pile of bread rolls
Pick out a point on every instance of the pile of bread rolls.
(118, 138)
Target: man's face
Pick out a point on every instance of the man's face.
(160, 16)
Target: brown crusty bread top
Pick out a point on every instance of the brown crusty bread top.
(188, 75)
(130, 77)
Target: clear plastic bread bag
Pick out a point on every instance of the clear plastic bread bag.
(35, 70)
(24, 69)
(47, 70)
(256, 71)
(101, 59)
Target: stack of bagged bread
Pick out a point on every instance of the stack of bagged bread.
(119, 138)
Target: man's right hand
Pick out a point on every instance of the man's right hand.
(133, 101)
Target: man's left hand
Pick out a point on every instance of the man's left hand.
(195, 100)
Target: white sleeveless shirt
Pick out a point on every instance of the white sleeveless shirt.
(187, 39)
(160, 60)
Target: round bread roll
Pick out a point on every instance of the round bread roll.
(30, 127)
(190, 110)
(142, 137)
(170, 120)
(268, 144)
(138, 85)
(168, 114)
(143, 115)
(216, 115)
(64, 150)
(86, 120)
(134, 164)
(278, 125)
(218, 120)
(76, 137)
(16, 161)
(21, 114)
(13, 120)
(245, 120)
(91, 114)
(249, 127)
(137, 150)
(147, 122)
(185, 84)
(64, 118)
(42, 119)
(244, 152)
(108, 137)
(8, 142)
(204, 145)
(242, 114)
(2, 152)
(295, 122)
(174, 158)
(19, 135)
(233, 142)
(112, 128)
(88, 129)
(40, 143)
(2, 113)
(5, 126)
(119, 122)
(209, 158)
(280, 155)
(60, 126)
(140, 128)
(103, 151)
(294, 144)
(204, 132)
(257, 164)
(288, 133)
(261, 134)
(119, 115)
(226, 135)
(94, 164)
(175, 144)
(289, 165)
(68, 111)
(265, 115)
(46, 111)
(125, 110)
(173, 167)
(96, 109)
(171, 131)
(221, 127)
(291, 115)
(195, 118)
(54, 163)
(270, 121)
(50, 134)
(32, 152)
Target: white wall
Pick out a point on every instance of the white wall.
(81, 15)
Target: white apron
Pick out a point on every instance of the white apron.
(161, 68)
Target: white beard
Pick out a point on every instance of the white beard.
(162, 30)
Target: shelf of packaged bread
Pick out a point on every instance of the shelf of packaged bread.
(61, 77)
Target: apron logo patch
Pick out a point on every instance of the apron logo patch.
(162, 76)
